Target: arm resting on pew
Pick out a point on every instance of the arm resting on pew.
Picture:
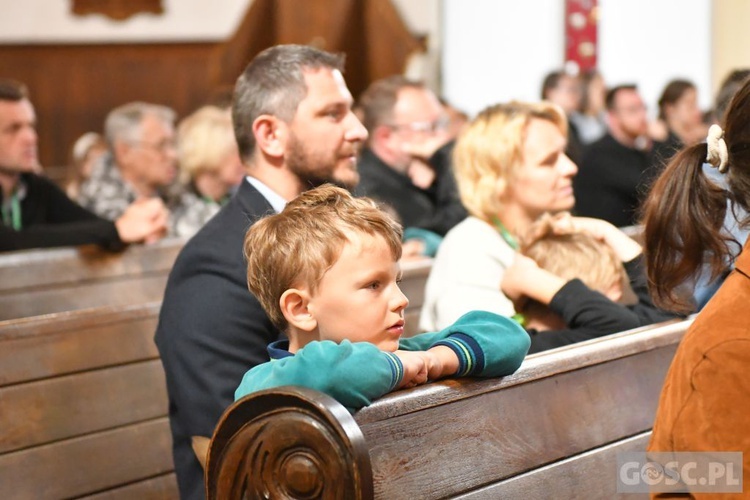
(355, 374)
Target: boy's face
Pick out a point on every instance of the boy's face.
(359, 298)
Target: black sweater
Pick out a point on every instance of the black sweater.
(589, 314)
(50, 219)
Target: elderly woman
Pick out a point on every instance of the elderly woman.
(210, 167)
(511, 168)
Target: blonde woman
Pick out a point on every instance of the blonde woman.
(210, 167)
(511, 168)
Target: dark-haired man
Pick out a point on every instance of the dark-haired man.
(295, 130)
(35, 212)
(614, 174)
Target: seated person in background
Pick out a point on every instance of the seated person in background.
(85, 153)
(406, 163)
(511, 168)
(457, 119)
(591, 119)
(614, 173)
(564, 89)
(35, 212)
(210, 167)
(326, 271)
(141, 161)
(680, 113)
(567, 281)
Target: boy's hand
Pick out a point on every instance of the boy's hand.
(442, 362)
(415, 368)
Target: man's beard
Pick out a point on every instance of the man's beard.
(311, 171)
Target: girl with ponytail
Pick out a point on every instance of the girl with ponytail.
(706, 395)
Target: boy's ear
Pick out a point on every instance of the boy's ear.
(270, 135)
(294, 306)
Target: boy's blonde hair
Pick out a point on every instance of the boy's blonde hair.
(488, 153)
(572, 255)
(296, 247)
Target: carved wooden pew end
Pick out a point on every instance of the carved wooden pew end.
(288, 442)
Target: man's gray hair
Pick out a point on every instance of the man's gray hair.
(274, 84)
(124, 122)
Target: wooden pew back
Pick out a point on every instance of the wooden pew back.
(84, 406)
(83, 403)
(413, 283)
(37, 282)
(554, 426)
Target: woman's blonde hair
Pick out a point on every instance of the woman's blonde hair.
(204, 140)
(296, 247)
(488, 153)
(572, 255)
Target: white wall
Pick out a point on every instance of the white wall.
(496, 51)
(653, 41)
(481, 51)
(30, 21)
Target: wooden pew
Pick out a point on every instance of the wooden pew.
(84, 406)
(36, 282)
(553, 429)
(413, 283)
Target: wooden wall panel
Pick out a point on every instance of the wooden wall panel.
(74, 86)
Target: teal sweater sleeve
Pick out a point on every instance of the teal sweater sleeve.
(487, 344)
(352, 373)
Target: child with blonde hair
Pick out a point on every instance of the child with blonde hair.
(568, 280)
(326, 271)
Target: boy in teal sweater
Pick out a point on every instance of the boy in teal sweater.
(326, 271)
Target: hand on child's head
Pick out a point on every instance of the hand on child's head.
(415, 368)
(562, 223)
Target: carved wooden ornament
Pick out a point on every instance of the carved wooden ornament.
(119, 10)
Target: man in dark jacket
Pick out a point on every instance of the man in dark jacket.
(35, 212)
(407, 164)
(295, 130)
(614, 173)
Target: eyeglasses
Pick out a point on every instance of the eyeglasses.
(424, 127)
(163, 147)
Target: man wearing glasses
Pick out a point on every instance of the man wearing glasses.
(141, 161)
(406, 164)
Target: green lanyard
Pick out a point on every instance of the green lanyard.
(12, 213)
(513, 243)
(221, 202)
(509, 239)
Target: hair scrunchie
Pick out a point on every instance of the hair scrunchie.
(717, 156)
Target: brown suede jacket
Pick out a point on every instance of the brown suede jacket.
(705, 401)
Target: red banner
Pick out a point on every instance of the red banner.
(581, 22)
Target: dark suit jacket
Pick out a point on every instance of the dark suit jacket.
(50, 219)
(211, 330)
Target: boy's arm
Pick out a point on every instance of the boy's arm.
(484, 344)
(354, 374)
